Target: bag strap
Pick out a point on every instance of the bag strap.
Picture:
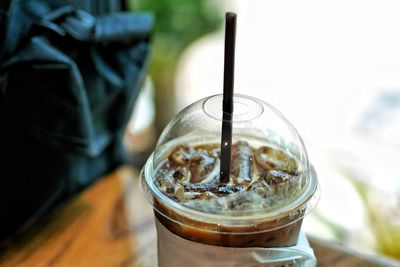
(19, 20)
(79, 24)
(83, 27)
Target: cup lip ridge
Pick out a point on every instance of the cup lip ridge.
(255, 107)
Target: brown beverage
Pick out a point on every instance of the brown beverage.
(263, 179)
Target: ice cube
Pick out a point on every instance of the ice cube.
(268, 158)
(200, 165)
(283, 184)
(261, 188)
(241, 165)
(181, 155)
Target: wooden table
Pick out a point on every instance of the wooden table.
(110, 224)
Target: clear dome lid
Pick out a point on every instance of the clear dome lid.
(282, 182)
(253, 120)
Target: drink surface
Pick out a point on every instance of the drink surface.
(261, 178)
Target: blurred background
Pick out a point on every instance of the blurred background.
(332, 68)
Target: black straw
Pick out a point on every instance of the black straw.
(227, 102)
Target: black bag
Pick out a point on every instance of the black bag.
(70, 72)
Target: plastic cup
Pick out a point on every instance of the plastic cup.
(255, 236)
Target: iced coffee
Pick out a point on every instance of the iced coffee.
(261, 179)
(271, 186)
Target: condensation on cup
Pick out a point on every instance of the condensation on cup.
(252, 220)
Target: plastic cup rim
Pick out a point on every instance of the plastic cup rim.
(311, 192)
